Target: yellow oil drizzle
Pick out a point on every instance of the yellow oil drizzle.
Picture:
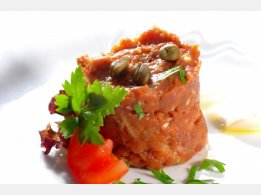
(218, 111)
(238, 126)
(243, 126)
(240, 131)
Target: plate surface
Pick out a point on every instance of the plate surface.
(38, 51)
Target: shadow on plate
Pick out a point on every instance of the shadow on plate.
(253, 140)
(21, 76)
(57, 163)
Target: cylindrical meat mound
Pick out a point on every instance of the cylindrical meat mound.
(172, 129)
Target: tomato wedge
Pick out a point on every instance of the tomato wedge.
(94, 164)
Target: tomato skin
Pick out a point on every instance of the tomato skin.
(94, 164)
(108, 175)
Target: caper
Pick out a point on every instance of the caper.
(119, 67)
(169, 52)
(140, 74)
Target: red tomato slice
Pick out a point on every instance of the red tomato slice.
(94, 164)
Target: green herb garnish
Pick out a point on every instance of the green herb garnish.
(75, 91)
(192, 173)
(90, 105)
(197, 181)
(62, 101)
(138, 181)
(119, 182)
(162, 176)
(192, 180)
(182, 76)
(209, 164)
(166, 179)
(137, 107)
(127, 163)
(161, 76)
(68, 126)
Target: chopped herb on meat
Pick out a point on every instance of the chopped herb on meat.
(182, 76)
(161, 76)
(137, 107)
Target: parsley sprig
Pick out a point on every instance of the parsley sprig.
(90, 104)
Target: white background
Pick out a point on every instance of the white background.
(38, 51)
(118, 5)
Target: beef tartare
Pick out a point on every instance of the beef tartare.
(159, 122)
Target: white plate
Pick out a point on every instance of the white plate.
(38, 51)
